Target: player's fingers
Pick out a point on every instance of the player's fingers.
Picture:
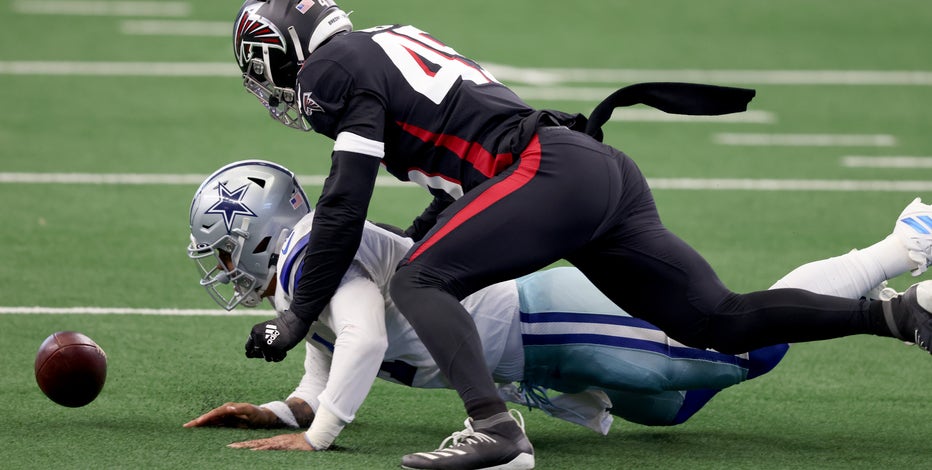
(255, 444)
(239, 445)
(223, 415)
(252, 349)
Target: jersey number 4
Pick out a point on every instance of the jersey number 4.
(428, 65)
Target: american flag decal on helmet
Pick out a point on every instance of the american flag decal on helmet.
(253, 29)
(304, 5)
(296, 199)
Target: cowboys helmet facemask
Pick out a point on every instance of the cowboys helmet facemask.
(240, 217)
(271, 41)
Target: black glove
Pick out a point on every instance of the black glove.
(272, 339)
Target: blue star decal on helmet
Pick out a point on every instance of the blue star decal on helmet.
(230, 205)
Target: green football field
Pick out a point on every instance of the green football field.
(113, 111)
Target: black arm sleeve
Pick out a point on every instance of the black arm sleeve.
(391, 228)
(336, 231)
(423, 223)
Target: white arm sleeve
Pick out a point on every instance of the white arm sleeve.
(316, 372)
(358, 315)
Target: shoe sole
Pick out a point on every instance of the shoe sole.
(523, 461)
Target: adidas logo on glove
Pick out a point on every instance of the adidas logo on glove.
(271, 332)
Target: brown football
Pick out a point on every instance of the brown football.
(71, 368)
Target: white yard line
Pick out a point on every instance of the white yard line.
(552, 76)
(530, 76)
(654, 115)
(742, 184)
(177, 28)
(131, 311)
(806, 140)
(163, 179)
(176, 69)
(854, 161)
(712, 184)
(102, 8)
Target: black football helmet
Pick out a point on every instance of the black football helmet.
(272, 39)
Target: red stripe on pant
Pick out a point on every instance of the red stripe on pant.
(527, 169)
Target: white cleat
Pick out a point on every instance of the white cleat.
(914, 229)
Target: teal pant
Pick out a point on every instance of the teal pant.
(576, 339)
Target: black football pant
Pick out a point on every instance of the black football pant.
(571, 197)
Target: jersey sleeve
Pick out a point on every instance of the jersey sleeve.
(341, 210)
(324, 89)
(338, 224)
(316, 373)
(357, 317)
(358, 320)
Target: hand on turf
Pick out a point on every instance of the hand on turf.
(280, 442)
(272, 339)
(236, 415)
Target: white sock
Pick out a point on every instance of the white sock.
(852, 274)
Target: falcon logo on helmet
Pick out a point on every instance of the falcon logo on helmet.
(254, 29)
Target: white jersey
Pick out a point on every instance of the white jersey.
(361, 334)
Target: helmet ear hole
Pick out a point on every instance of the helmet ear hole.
(262, 246)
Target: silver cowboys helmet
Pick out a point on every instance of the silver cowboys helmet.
(271, 41)
(240, 217)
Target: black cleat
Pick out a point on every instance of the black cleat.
(909, 315)
(498, 443)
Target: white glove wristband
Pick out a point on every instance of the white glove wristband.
(283, 412)
(324, 429)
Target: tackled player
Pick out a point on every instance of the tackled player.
(250, 227)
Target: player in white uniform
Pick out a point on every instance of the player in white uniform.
(549, 331)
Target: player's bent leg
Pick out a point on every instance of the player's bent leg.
(648, 409)
(659, 409)
(575, 338)
(451, 338)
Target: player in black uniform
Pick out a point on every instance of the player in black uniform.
(515, 189)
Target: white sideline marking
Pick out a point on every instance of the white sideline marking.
(551, 76)
(132, 311)
(806, 140)
(853, 161)
(176, 28)
(145, 69)
(655, 115)
(529, 76)
(102, 8)
(743, 184)
(165, 179)
(789, 185)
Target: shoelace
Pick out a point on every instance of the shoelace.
(535, 396)
(470, 436)
(918, 341)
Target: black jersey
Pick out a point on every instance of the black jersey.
(435, 117)
(395, 96)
